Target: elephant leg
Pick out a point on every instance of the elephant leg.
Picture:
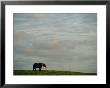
(33, 69)
(39, 69)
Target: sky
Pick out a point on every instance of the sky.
(63, 41)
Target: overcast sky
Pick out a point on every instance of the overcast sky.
(62, 41)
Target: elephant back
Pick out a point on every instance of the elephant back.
(37, 64)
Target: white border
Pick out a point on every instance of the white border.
(101, 44)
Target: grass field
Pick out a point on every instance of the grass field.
(49, 72)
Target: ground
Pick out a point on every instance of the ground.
(49, 72)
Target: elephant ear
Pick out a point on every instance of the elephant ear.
(43, 65)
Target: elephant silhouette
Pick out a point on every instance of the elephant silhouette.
(38, 65)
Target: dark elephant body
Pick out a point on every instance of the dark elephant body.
(38, 65)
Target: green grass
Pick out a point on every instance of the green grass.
(49, 72)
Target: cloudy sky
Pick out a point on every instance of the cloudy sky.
(63, 41)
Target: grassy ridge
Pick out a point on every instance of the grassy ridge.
(49, 72)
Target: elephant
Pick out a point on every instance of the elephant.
(38, 65)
